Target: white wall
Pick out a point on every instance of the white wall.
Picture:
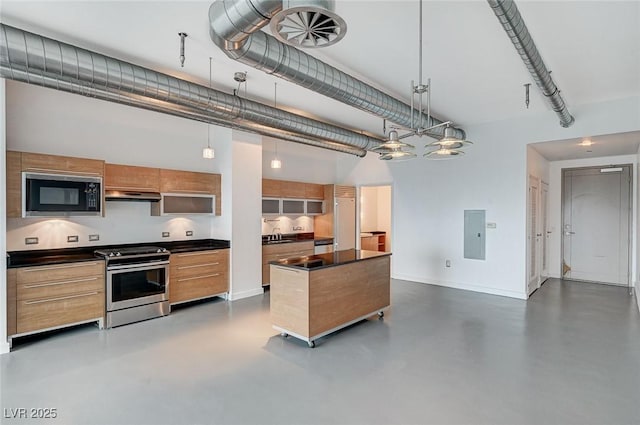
(54, 122)
(555, 206)
(4, 346)
(429, 197)
(299, 162)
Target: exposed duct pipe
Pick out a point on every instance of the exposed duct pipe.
(509, 16)
(38, 60)
(234, 27)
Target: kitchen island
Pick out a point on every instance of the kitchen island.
(315, 295)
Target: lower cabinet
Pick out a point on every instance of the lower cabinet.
(54, 296)
(280, 251)
(199, 274)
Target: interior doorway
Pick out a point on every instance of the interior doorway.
(596, 224)
(375, 218)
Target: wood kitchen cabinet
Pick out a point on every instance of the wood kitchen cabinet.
(281, 251)
(17, 162)
(296, 190)
(292, 190)
(14, 184)
(131, 178)
(176, 181)
(314, 191)
(44, 163)
(271, 188)
(53, 296)
(198, 274)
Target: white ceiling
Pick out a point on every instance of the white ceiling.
(592, 47)
(590, 147)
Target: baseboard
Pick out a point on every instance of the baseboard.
(635, 294)
(465, 286)
(234, 296)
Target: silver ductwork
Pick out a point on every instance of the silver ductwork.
(38, 60)
(308, 23)
(509, 16)
(234, 26)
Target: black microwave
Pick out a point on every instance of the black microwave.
(57, 195)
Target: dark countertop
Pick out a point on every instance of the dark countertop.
(331, 259)
(39, 257)
(298, 237)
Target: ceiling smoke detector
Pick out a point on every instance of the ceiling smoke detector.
(308, 24)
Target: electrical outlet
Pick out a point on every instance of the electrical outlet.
(165, 234)
(447, 263)
(93, 238)
(30, 241)
(73, 238)
(189, 232)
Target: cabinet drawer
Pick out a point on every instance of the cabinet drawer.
(279, 249)
(198, 269)
(200, 257)
(60, 288)
(191, 288)
(51, 312)
(60, 272)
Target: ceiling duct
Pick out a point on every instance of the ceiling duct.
(42, 61)
(509, 16)
(234, 27)
(308, 23)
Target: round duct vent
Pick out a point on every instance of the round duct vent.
(310, 25)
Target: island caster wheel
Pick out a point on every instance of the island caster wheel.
(284, 334)
(381, 314)
(312, 344)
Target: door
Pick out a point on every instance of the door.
(546, 234)
(345, 224)
(533, 236)
(596, 224)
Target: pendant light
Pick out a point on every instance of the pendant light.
(208, 152)
(275, 162)
(447, 147)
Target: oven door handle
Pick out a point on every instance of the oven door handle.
(138, 266)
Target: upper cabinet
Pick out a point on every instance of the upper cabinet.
(271, 188)
(189, 182)
(175, 181)
(291, 190)
(282, 197)
(128, 177)
(37, 162)
(295, 190)
(17, 162)
(314, 191)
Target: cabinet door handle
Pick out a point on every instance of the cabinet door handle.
(59, 267)
(197, 265)
(68, 297)
(288, 270)
(198, 277)
(62, 282)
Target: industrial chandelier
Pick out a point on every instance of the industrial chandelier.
(448, 146)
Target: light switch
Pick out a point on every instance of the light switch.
(491, 225)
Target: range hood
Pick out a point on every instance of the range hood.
(125, 195)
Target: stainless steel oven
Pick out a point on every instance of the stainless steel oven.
(137, 284)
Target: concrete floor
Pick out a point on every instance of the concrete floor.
(570, 355)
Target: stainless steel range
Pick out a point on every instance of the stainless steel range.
(137, 284)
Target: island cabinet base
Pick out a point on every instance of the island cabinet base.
(311, 303)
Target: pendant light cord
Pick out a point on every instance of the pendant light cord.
(208, 124)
